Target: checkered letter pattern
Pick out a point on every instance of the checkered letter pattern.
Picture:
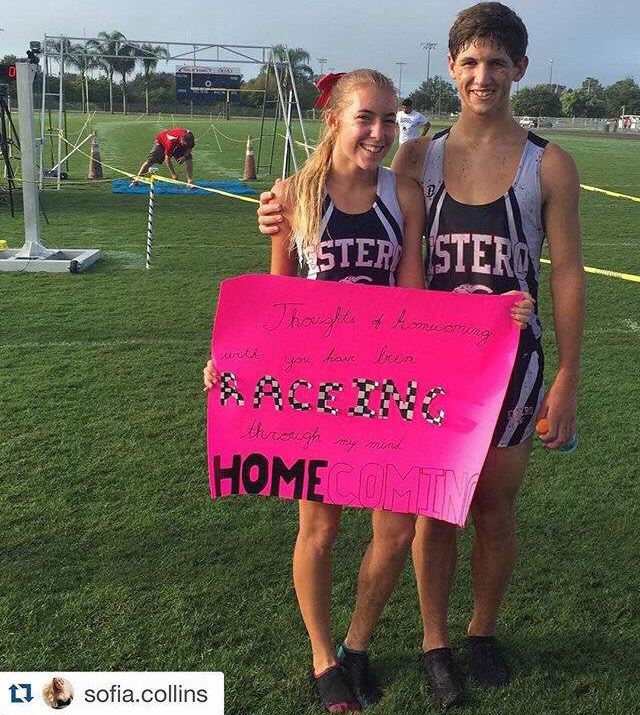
(325, 397)
(389, 390)
(229, 388)
(295, 403)
(365, 388)
(273, 391)
(438, 419)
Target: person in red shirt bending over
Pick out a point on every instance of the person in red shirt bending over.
(174, 143)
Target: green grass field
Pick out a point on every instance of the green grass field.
(114, 557)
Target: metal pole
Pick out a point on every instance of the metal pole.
(550, 73)
(428, 46)
(25, 75)
(50, 132)
(64, 114)
(283, 105)
(86, 83)
(45, 69)
(288, 150)
(150, 223)
(60, 109)
(297, 101)
(262, 116)
(276, 116)
(191, 91)
(400, 65)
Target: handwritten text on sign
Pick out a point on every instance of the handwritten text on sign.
(384, 398)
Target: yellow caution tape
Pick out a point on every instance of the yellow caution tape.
(157, 177)
(605, 272)
(610, 193)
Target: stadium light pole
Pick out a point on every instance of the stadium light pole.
(550, 73)
(428, 46)
(400, 66)
(323, 62)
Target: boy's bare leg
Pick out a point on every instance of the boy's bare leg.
(493, 559)
(495, 544)
(434, 561)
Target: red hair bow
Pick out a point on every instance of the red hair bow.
(325, 84)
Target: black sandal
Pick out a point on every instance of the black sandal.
(335, 692)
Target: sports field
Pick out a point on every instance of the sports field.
(114, 557)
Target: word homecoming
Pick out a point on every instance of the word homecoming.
(269, 387)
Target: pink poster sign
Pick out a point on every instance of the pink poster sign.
(365, 396)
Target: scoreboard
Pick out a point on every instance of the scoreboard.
(7, 73)
(204, 85)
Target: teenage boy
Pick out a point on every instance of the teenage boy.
(493, 191)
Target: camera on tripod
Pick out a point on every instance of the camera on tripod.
(33, 53)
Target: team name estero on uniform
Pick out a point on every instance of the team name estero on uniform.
(479, 253)
(355, 252)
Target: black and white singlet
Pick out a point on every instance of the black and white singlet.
(493, 248)
(358, 248)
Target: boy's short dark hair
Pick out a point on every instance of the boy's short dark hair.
(492, 22)
(189, 140)
(407, 103)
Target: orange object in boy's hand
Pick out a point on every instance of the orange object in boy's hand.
(542, 426)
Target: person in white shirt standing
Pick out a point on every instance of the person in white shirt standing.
(409, 122)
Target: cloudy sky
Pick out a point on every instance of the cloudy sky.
(571, 38)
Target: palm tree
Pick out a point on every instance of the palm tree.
(123, 64)
(68, 56)
(299, 59)
(152, 54)
(62, 48)
(75, 57)
(302, 72)
(108, 43)
(90, 62)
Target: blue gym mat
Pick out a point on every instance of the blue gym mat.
(121, 186)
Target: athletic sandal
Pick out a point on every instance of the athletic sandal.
(443, 679)
(363, 681)
(483, 662)
(334, 690)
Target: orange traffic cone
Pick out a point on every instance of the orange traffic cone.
(249, 173)
(95, 166)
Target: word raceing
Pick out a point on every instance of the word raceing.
(269, 388)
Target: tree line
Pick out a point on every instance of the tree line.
(114, 59)
(590, 99)
(100, 69)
